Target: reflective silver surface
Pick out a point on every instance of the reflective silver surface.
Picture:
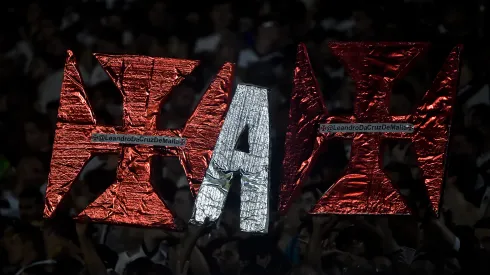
(249, 108)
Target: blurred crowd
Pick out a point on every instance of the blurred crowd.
(261, 37)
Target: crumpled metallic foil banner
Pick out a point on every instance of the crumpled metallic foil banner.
(249, 108)
(145, 83)
(374, 67)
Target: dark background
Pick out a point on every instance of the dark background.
(261, 38)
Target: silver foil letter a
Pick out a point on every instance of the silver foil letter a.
(249, 108)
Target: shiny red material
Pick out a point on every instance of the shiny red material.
(364, 188)
(145, 83)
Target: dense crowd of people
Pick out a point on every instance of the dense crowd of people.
(261, 37)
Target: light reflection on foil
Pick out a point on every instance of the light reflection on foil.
(249, 108)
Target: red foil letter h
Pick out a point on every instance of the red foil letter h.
(144, 82)
(364, 188)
